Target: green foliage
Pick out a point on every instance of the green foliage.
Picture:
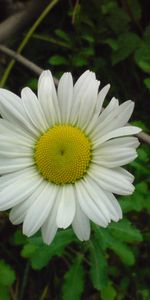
(110, 240)
(125, 231)
(74, 281)
(7, 278)
(123, 251)
(7, 275)
(111, 38)
(108, 293)
(4, 293)
(139, 200)
(63, 35)
(126, 44)
(58, 60)
(40, 254)
(98, 268)
(147, 82)
(142, 57)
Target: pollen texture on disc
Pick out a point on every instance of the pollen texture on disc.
(63, 154)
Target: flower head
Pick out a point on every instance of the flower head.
(61, 155)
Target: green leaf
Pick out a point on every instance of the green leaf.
(40, 254)
(147, 35)
(29, 250)
(98, 268)
(88, 37)
(144, 293)
(112, 43)
(74, 281)
(19, 238)
(123, 251)
(108, 293)
(127, 43)
(108, 7)
(118, 20)
(142, 187)
(63, 35)
(132, 203)
(142, 57)
(4, 293)
(135, 8)
(143, 155)
(7, 274)
(124, 231)
(87, 52)
(79, 61)
(104, 237)
(137, 201)
(32, 83)
(58, 60)
(140, 124)
(147, 82)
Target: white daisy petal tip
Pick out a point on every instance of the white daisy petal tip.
(46, 73)
(67, 155)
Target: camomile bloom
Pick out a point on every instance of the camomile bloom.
(61, 155)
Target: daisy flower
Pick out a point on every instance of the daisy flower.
(61, 155)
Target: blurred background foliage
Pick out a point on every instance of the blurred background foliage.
(111, 38)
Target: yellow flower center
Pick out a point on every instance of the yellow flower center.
(63, 154)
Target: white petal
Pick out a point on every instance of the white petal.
(8, 165)
(88, 100)
(105, 117)
(81, 80)
(120, 142)
(18, 212)
(7, 127)
(101, 97)
(116, 205)
(48, 98)
(20, 152)
(7, 179)
(105, 202)
(79, 91)
(66, 209)
(114, 157)
(89, 206)
(15, 140)
(111, 180)
(65, 96)
(49, 228)
(19, 189)
(111, 107)
(40, 209)
(125, 111)
(123, 131)
(127, 174)
(11, 109)
(33, 110)
(13, 144)
(81, 224)
(116, 119)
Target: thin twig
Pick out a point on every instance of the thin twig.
(144, 137)
(19, 21)
(25, 279)
(44, 293)
(37, 70)
(21, 59)
(50, 40)
(44, 13)
(12, 294)
(24, 61)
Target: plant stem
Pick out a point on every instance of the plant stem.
(24, 282)
(27, 38)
